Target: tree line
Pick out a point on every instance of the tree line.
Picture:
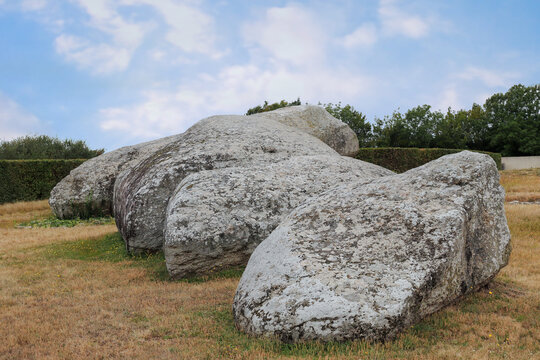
(45, 147)
(507, 123)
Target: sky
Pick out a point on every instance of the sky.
(119, 72)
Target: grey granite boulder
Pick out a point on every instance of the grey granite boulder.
(316, 121)
(369, 258)
(216, 218)
(142, 193)
(88, 189)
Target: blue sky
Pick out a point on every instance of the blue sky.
(118, 72)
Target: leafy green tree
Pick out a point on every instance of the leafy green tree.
(269, 107)
(391, 131)
(508, 123)
(45, 147)
(421, 123)
(415, 128)
(513, 119)
(449, 130)
(355, 119)
(476, 128)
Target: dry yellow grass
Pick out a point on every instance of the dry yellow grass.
(521, 185)
(58, 307)
(17, 239)
(22, 211)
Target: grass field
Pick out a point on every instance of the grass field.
(521, 185)
(73, 293)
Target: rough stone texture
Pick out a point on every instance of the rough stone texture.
(141, 193)
(366, 259)
(88, 189)
(216, 218)
(316, 121)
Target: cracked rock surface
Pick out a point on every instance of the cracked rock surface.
(88, 189)
(216, 218)
(368, 258)
(142, 192)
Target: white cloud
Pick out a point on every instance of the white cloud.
(159, 114)
(99, 58)
(448, 98)
(364, 35)
(111, 50)
(14, 120)
(164, 112)
(157, 54)
(189, 28)
(288, 60)
(43, 12)
(121, 39)
(395, 21)
(290, 34)
(488, 77)
(474, 84)
(481, 98)
(33, 5)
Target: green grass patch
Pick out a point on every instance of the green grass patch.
(232, 273)
(232, 342)
(108, 248)
(111, 248)
(52, 222)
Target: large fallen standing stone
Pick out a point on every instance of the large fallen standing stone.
(367, 259)
(88, 189)
(141, 193)
(316, 121)
(216, 218)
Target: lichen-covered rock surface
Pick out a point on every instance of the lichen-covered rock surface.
(369, 258)
(142, 193)
(88, 189)
(216, 218)
(316, 121)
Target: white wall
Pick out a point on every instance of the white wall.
(520, 162)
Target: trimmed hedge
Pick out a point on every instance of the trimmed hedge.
(403, 159)
(26, 180)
